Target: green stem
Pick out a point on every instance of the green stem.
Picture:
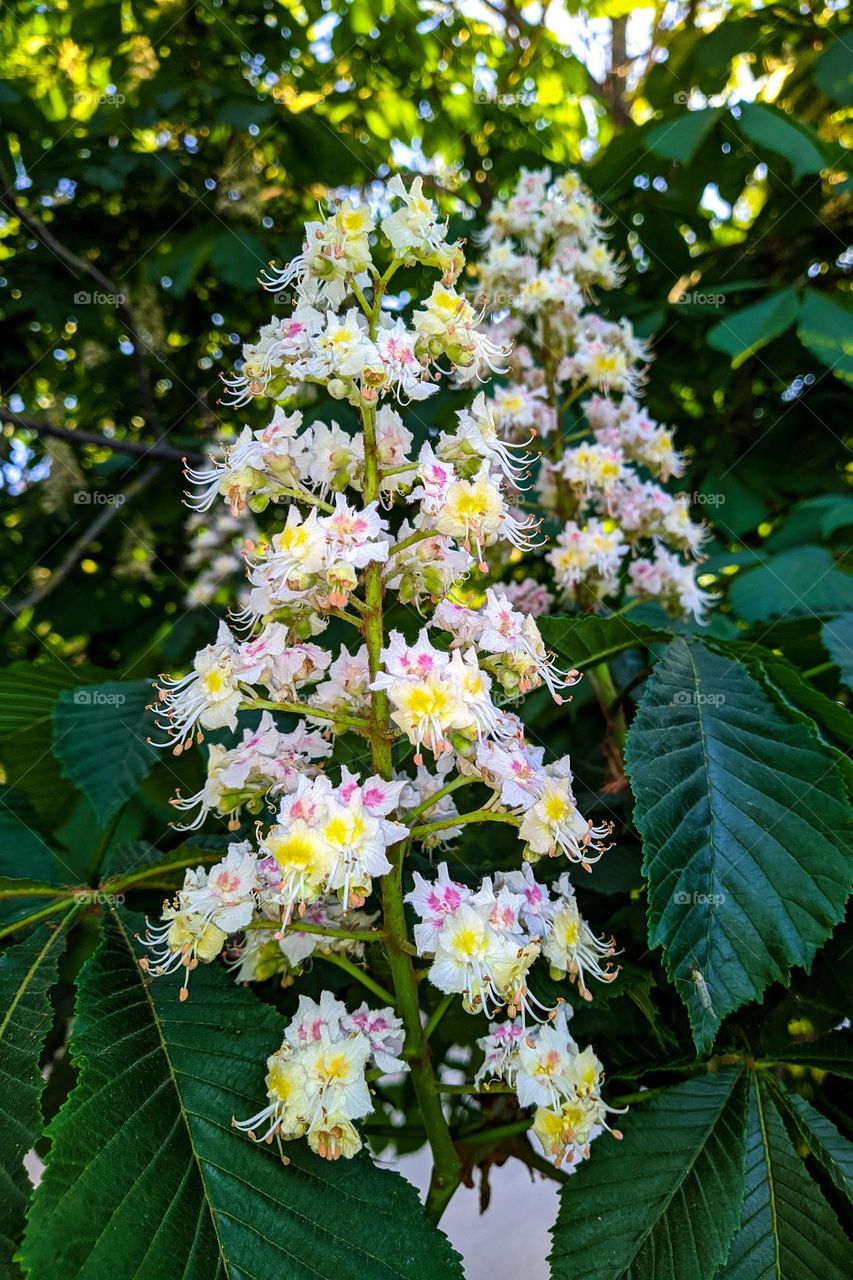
(475, 1089)
(103, 847)
(346, 617)
(626, 608)
(447, 1167)
(116, 884)
(323, 930)
(437, 1014)
(462, 819)
(446, 790)
(419, 536)
(617, 729)
(35, 917)
(342, 962)
(818, 670)
(497, 1133)
(304, 709)
(398, 470)
(303, 495)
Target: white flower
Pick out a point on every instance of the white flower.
(553, 825)
(353, 535)
(336, 251)
(208, 698)
(316, 1083)
(224, 896)
(475, 514)
(414, 230)
(384, 1030)
(571, 947)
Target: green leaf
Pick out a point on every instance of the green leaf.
(832, 72)
(802, 581)
(146, 1177)
(788, 1231)
(665, 1201)
(25, 859)
(111, 720)
(743, 816)
(582, 642)
(826, 328)
(236, 257)
(746, 331)
(27, 972)
(791, 690)
(837, 638)
(680, 138)
(28, 693)
(773, 130)
(823, 1140)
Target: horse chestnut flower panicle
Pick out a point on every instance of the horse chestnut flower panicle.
(364, 517)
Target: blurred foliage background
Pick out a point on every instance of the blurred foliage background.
(156, 155)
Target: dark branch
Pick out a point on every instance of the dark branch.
(88, 536)
(136, 448)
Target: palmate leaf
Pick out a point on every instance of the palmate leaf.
(112, 721)
(146, 1177)
(743, 816)
(787, 1231)
(666, 1200)
(27, 972)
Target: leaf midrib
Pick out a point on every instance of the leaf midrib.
(771, 1185)
(184, 1114)
(687, 1170)
(33, 970)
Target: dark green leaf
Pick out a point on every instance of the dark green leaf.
(111, 720)
(744, 332)
(28, 694)
(27, 972)
(582, 642)
(832, 1053)
(837, 638)
(787, 1231)
(743, 817)
(680, 138)
(832, 72)
(188, 1196)
(826, 328)
(823, 1140)
(772, 130)
(804, 580)
(665, 1201)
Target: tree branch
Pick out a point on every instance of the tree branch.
(94, 530)
(136, 448)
